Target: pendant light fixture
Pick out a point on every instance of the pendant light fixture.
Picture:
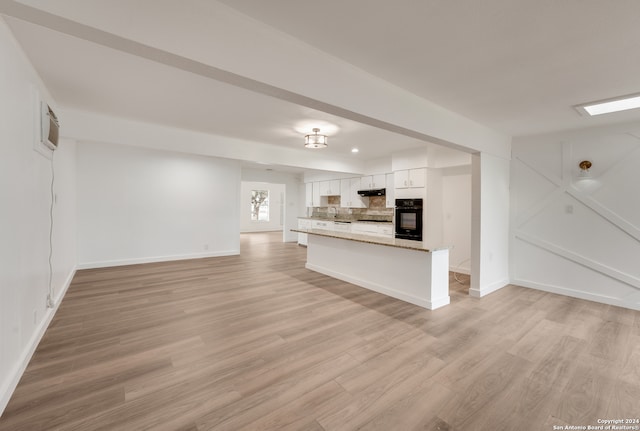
(315, 140)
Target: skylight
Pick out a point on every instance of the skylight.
(623, 103)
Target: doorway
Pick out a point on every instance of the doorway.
(261, 207)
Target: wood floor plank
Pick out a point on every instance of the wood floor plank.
(469, 359)
(324, 398)
(258, 342)
(481, 389)
(531, 395)
(415, 411)
(385, 392)
(528, 347)
(258, 404)
(588, 391)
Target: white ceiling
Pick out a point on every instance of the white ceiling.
(84, 75)
(517, 66)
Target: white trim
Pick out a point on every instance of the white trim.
(604, 212)
(584, 261)
(485, 290)
(137, 261)
(7, 390)
(577, 294)
(431, 305)
(556, 181)
(258, 230)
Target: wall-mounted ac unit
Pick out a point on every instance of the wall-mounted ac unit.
(50, 127)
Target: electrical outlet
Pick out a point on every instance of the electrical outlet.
(206, 246)
(568, 209)
(35, 316)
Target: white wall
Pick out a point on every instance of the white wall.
(433, 209)
(578, 238)
(64, 259)
(448, 214)
(378, 166)
(84, 126)
(294, 194)
(490, 224)
(25, 217)
(137, 205)
(443, 157)
(276, 207)
(456, 211)
(409, 159)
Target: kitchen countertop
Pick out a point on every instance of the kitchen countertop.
(370, 239)
(340, 220)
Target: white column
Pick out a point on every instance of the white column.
(490, 224)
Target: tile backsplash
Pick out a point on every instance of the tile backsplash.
(377, 202)
(377, 210)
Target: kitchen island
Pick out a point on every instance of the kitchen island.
(406, 270)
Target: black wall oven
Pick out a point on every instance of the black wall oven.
(409, 219)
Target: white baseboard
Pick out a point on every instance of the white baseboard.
(153, 259)
(484, 291)
(431, 305)
(441, 302)
(603, 299)
(16, 374)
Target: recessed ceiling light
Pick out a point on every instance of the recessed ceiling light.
(608, 106)
(354, 150)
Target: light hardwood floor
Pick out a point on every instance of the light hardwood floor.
(257, 342)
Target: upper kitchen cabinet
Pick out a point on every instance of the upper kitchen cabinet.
(410, 178)
(371, 182)
(349, 197)
(308, 193)
(390, 193)
(330, 188)
(316, 197)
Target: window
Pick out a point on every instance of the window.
(260, 205)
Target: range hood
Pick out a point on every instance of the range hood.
(373, 192)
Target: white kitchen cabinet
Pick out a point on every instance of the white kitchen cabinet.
(345, 192)
(339, 226)
(322, 224)
(365, 182)
(303, 224)
(349, 197)
(401, 179)
(374, 229)
(364, 228)
(330, 188)
(410, 178)
(357, 201)
(317, 198)
(308, 193)
(390, 193)
(334, 187)
(371, 182)
(325, 188)
(386, 231)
